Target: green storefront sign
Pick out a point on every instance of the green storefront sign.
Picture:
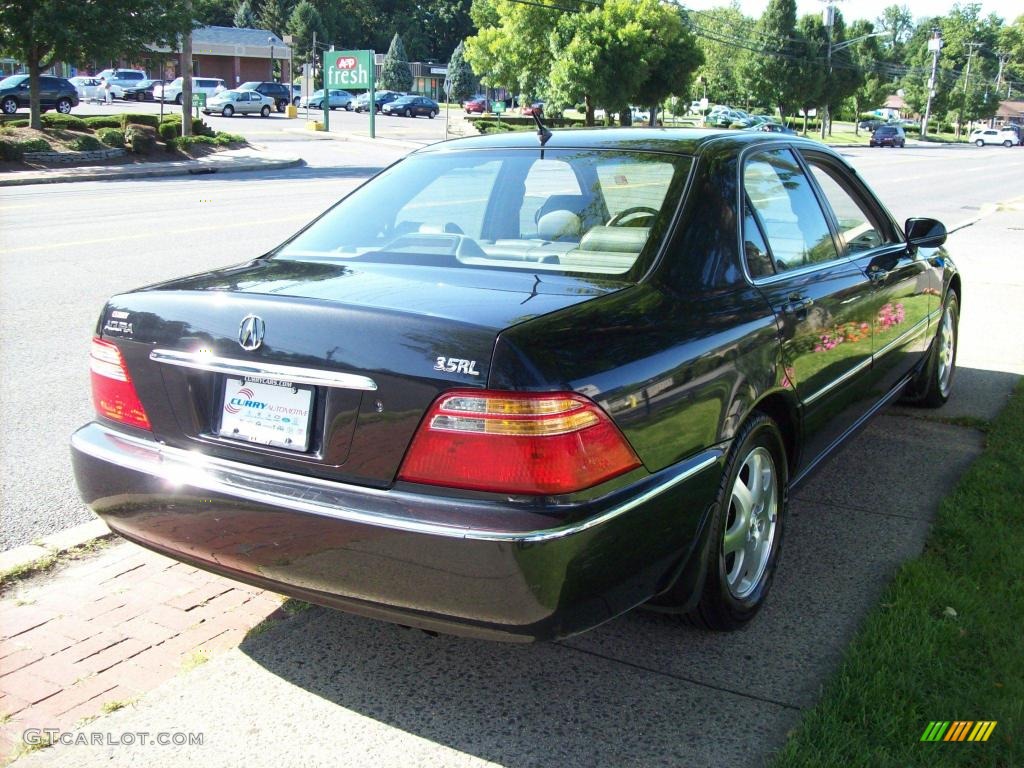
(497, 107)
(198, 99)
(348, 70)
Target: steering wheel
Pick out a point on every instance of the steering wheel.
(643, 212)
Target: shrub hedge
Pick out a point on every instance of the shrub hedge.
(67, 122)
(141, 138)
(85, 144)
(112, 137)
(153, 121)
(12, 149)
(104, 121)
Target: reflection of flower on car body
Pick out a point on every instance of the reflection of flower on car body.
(889, 316)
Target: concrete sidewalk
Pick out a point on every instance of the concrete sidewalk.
(229, 161)
(326, 688)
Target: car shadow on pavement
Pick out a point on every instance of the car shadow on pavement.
(644, 689)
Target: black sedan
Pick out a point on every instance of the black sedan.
(140, 90)
(512, 390)
(412, 106)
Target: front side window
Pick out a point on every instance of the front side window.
(580, 212)
(783, 200)
(857, 227)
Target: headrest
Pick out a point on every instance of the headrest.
(615, 239)
(559, 225)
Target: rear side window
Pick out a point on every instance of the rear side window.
(783, 201)
(857, 225)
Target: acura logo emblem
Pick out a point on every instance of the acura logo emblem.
(250, 332)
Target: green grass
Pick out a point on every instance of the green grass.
(50, 561)
(946, 641)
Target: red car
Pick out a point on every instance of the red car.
(476, 105)
(531, 109)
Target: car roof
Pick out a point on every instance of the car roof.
(684, 141)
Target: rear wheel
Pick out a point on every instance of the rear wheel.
(140, 97)
(9, 105)
(177, 99)
(1007, 143)
(432, 114)
(64, 106)
(265, 112)
(228, 111)
(281, 104)
(980, 143)
(935, 382)
(746, 528)
(408, 113)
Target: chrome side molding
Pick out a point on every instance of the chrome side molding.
(202, 361)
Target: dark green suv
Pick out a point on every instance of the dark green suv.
(279, 92)
(54, 93)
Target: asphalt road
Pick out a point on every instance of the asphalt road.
(65, 248)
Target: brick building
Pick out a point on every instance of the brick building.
(232, 54)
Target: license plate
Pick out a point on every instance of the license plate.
(267, 412)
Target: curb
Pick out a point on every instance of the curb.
(138, 172)
(54, 544)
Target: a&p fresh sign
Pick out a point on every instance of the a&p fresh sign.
(348, 69)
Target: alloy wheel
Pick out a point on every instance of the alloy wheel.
(947, 351)
(751, 522)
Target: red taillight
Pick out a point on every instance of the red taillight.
(113, 393)
(522, 443)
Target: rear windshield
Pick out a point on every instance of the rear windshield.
(568, 211)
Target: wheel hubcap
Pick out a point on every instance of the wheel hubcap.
(947, 350)
(751, 523)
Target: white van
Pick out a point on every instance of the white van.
(172, 90)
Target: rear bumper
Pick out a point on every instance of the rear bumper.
(502, 571)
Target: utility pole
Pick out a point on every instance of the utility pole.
(934, 45)
(967, 81)
(1003, 58)
(829, 17)
(186, 74)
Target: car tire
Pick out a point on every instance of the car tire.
(177, 99)
(265, 111)
(408, 113)
(756, 476)
(64, 106)
(140, 97)
(282, 104)
(935, 381)
(9, 105)
(980, 143)
(1007, 143)
(295, 101)
(433, 114)
(228, 111)
(348, 107)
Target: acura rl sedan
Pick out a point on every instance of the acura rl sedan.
(514, 386)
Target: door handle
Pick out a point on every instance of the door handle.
(797, 305)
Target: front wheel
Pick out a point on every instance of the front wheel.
(1007, 143)
(64, 106)
(980, 143)
(408, 113)
(9, 105)
(228, 111)
(265, 112)
(281, 105)
(140, 97)
(935, 382)
(433, 113)
(746, 528)
(177, 99)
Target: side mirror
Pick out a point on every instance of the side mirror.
(925, 233)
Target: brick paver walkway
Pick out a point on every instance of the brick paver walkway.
(107, 629)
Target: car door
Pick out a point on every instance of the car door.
(48, 91)
(824, 303)
(901, 278)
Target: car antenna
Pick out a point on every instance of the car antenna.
(543, 134)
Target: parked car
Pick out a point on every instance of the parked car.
(118, 75)
(172, 91)
(86, 87)
(279, 92)
(338, 99)
(54, 93)
(1005, 136)
(380, 98)
(478, 106)
(239, 101)
(770, 126)
(141, 90)
(412, 106)
(888, 135)
(870, 125)
(423, 409)
(296, 93)
(536, 108)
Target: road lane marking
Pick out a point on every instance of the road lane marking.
(154, 233)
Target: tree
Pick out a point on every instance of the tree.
(721, 31)
(41, 32)
(898, 22)
(624, 51)
(863, 57)
(395, 74)
(841, 80)
(812, 72)
(219, 13)
(274, 16)
(459, 82)
(303, 25)
(244, 17)
(770, 73)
